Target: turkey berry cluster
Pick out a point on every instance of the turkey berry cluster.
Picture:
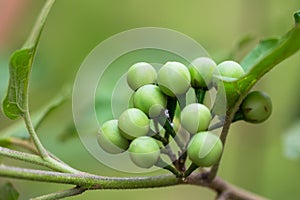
(145, 128)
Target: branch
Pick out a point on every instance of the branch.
(62, 194)
(27, 157)
(223, 136)
(42, 151)
(223, 188)
(89, 182)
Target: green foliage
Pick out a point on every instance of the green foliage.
(8, 192)
(16, 100)
(14, 104)
(204, 149)
(264, 57)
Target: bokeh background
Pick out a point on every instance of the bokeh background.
(254, 158)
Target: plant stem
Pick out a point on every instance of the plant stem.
(88, 181)
(34, 159)
(169, 128)
(162, 164)
(35, 34)
(42, 151)
(200, 95)
(25, 144)
(216, 126)
(93, 182)
(62, 194)
(223, 136)
(223, 187)
(171, 106)
(190, 170)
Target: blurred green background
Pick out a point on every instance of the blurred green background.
(254, 155)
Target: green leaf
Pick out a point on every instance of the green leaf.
(16, 101)
(8, 192)
(14, 104)
(18, 129)
(265, 56)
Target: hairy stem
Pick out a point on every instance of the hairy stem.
(28, 122)
(89, 182)
(62, 194)
(34, 159)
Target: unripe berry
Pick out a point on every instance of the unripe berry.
(110, 138)
(229, 70)
(144, 151)
(195, 117)
(256, 107)
(133, 123)
(174, 78)
(140, 74)
(205, 149)
(150, 100)
(201, 70)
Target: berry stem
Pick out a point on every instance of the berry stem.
(190, 170)
(162, 164)
(171, 106)
(200, 95)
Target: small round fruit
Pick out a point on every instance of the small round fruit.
(201, 70)
(140, 74)
(110, 138)
(205, 149)
(230, 70)
(133, 123)
(256, 107)
(174, 78)
(144, 151)
(195, 117)
(150, 100)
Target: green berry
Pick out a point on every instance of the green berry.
(174, 79)
(144, 151)
(110, 138)
(229, 70)
(150, 100)
(140, 74)
(195, 117)
(133, 123)
(201, 70)
(256, 107)
(205, 149)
